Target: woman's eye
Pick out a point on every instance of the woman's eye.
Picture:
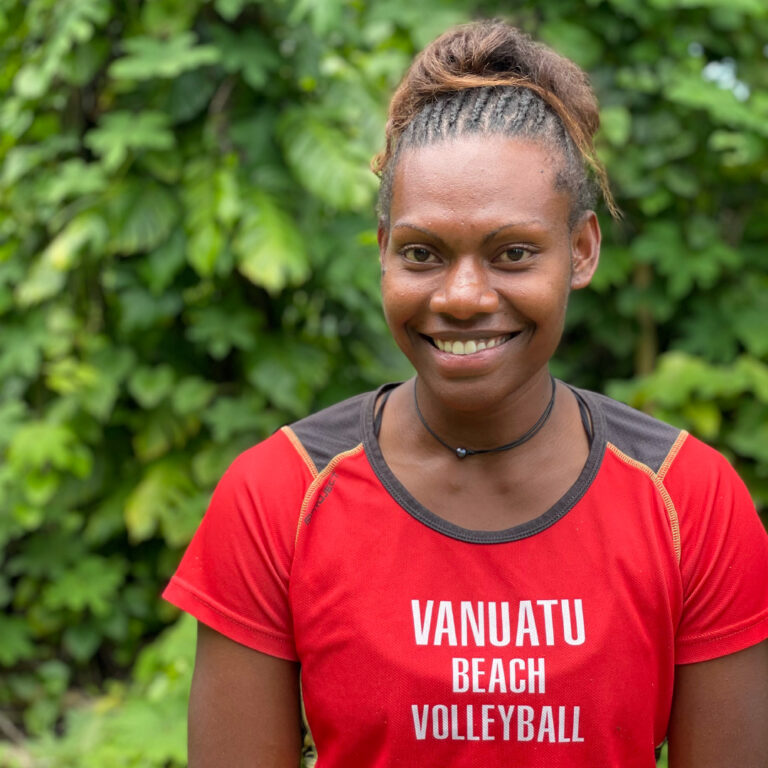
(418, 255)
(514, 255)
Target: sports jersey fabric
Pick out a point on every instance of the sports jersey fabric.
(422, 643)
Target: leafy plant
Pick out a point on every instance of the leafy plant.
(188, 260)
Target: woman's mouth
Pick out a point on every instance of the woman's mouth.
(468, 346)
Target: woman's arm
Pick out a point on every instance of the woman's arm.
(720, 712)
(243, 707)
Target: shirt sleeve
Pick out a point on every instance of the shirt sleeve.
(724, 557)
(234, 576)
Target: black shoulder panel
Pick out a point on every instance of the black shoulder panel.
(638, 435)
(333, 430)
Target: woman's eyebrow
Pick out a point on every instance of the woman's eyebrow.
(424, 230)
(513, 225)
(487, 237)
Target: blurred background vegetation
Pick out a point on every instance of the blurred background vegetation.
(188, 261)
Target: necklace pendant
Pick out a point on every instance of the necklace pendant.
(461, 453)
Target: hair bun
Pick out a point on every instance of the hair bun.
(494, 53)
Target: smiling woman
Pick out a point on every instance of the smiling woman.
(481, 566)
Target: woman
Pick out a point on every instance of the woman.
(481, 566)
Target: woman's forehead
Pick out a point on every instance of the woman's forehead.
(472, 176)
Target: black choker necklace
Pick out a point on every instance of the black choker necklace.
(462, 452)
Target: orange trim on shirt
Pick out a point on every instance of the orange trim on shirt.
(300, 449)
(320, 479)
(673, 451)
(657, 480)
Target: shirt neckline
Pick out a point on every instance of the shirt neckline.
(522, 531)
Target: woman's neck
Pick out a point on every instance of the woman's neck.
(480, 424)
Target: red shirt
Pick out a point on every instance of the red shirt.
(425, 644)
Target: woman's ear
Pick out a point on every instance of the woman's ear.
(585, 250)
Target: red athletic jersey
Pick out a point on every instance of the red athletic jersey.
(421, 643)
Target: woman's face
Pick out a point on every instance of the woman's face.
(477, 264)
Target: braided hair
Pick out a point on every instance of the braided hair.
(487, 78)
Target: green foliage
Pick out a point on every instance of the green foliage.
(188, 261)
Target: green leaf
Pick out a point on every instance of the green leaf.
(749, 322)
(16, 643)
(71, 22)
(48, 275)
(171, 653)
(190, 95)
(229, 416)
(269, 250)
(150, 386)
(147, 58)
(325, 161)
(95, 383)
(191, 395)
(682, 181)
(209, 464)
(6, 593)
(140, 310)
(705, 419)
(40, 486)
(74, 178)
(737, 148)
(230, 9)
(164, 489)
(113, 365)
(721, 104)
(122, 132)
(54, 675)
(221, 329)
(34, 559)
(180, 521)
(83, 63)
(13, 413)
(90, 584)
(206, 243)
(142, 215)
(21, 160)
(616, 125)
(21, 346)
(573, 40)
(41, 444)
(249, 52)
(750, 435)
(286, 372)
(69, 375)
(160, 431)
(423, 27)
(81, 641)
(755, 373)
(163, 264)
(164, 18)
(213, 206)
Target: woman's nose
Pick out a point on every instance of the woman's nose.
(465, 291)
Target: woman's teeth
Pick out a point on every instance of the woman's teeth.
(469, 347)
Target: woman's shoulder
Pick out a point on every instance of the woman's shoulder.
(692, 473)
(332, 431)
(631, 433)
(308, 445)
